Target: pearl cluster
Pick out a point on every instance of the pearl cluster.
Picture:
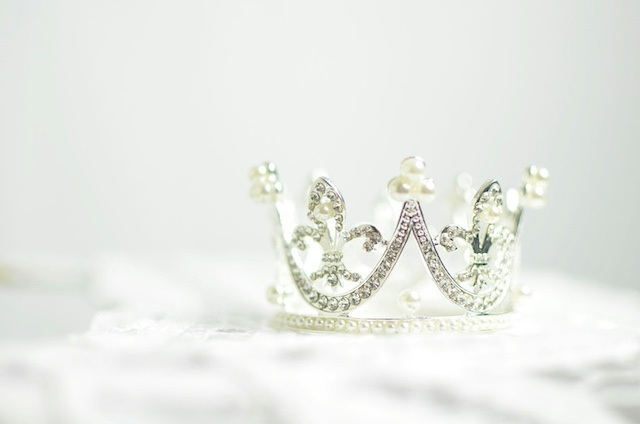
(536, 181)
(266, 186)
(412, 183)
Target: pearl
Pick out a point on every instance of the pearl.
(424, 190)
(262, 192)
(491, 213)
(273, 296)
(399, 189)
(258, 171)
(413, 167)
(323, 211)
(543, 174)
(535, 195)
(536, 174)
(278, 294)
(409, 301)
(535, 187)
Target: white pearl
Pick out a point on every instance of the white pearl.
(260, 192)
(273, 296)
(413, 167)
(538, 174)
(323, 211)
(399, 189)
(535, 195)
(492, 213)
(258, 171)
(424, 190)
(409, 301)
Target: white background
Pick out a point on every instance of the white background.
(130, 126)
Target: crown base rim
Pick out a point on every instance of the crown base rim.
(389, 326)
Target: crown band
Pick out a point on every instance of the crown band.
(458, 324)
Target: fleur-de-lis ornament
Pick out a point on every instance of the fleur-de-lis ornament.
(485, 231)
(326, 210)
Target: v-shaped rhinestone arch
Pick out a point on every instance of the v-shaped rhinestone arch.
(411, 222)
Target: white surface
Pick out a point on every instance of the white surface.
(131, 126)
(185, 340)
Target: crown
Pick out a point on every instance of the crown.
(325, 284)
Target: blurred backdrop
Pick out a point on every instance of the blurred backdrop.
(130, 126)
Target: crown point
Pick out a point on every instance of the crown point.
(412, 182)
(536, 181)
(266, 186)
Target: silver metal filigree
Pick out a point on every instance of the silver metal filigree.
(326, 209)
(479, 288)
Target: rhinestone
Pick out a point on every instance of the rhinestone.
(322, 302)
(320, 188)
(365, 292)
(344, 304)
(332, 304)
(313, 296)
(355, 299)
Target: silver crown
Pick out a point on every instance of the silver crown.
(321, 291)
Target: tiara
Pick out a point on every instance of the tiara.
(325, 284)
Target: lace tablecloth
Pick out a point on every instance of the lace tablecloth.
(187, 340)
